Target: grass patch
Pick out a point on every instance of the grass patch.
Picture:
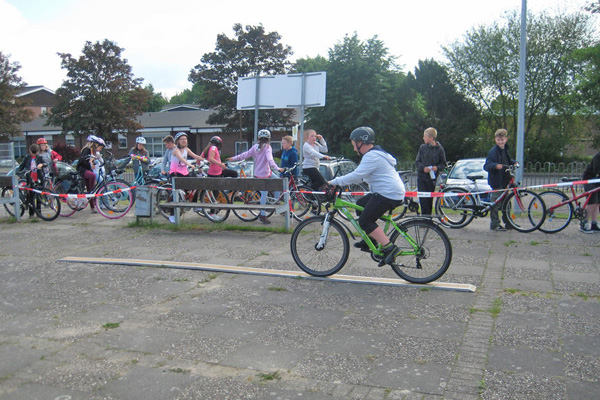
(180, 280)
(180, 370)
(510, 242)
(425, 289)
(534, 243)
(495, 308)
(111, 325)
(269, 377)
(277, 289)
(189, 226)
(208, 279)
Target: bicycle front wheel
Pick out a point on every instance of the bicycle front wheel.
(525, 211)
(115, 200)
(557, 218)
(8, 192)
(455, 209)
(313, 260)
(47, 206)
(432, 251)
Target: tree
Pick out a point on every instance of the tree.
(100, 95)
(364, 87)
(253, 52)
(455, 117)
(156, 101)
(12, 108)
(195, 95)
(485, 67)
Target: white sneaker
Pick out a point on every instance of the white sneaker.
(172, 219)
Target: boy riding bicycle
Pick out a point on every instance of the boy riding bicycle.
(378, 169)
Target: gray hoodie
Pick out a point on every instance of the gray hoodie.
(378, 169)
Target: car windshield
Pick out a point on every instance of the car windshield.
(463, 169)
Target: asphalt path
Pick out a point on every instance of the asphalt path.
(72, 330)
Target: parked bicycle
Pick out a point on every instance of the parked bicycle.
(112, 195)
(561, 209)
(410, 204)
(303, 202)
(525, 210)
(35, 197)
(320, 245)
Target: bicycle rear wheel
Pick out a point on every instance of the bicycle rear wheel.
(247, 197)
(455, 209)
(164, 194)
(115, 200)
(319, 262)
(558, 218)
(525, 210)
(46, 206)
(433, 251)
(216, 215)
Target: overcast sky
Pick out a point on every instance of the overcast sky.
(164, 40)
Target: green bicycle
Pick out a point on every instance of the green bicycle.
(320, 244)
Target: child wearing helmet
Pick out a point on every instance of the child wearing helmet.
(212, 153)
(140, 156)
(378, 169)
(263, 164)
(50, 156)
(85, 164)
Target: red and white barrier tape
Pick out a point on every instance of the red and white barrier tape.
(77, 196)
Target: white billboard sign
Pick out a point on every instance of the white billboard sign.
(282, 91)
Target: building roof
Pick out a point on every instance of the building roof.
(27, 90)
(193, 121)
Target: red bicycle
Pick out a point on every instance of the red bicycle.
(560, 209)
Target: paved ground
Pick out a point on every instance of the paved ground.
(88, 331)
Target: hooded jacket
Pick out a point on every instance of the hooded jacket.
(378, 169)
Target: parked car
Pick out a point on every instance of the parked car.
(463, 168)
(333, 168)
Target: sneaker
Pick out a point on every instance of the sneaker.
(498, 228)
(389, 254)
(586, 228)
(94, 211)
(198, 209)
(172, 219)
(264, 219)
(595, 228)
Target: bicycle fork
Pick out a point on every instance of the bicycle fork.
(324, 233)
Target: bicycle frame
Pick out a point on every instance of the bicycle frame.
(575, 198)
(342, 206)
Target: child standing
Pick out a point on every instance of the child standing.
(498, 178)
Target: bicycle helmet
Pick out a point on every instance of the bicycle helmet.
(97, 140)
(216, 140)
(264, 133)
(363, 134)
(42, 141)
(140, 139)
(178, 135)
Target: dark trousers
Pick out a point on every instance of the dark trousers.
(426, 185)
(316, 179)
(375, 205)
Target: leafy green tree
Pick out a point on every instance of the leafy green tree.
(485, 66)
(455, 117)
(12, 108)
(252, 52)
(195, 95)
(156, 102)
(364, 87)
(101, 95)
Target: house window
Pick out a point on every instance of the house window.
(70, 140)
(155, 147)
(276, 146)
(241, 147)
(20, 147)
(122, 141)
